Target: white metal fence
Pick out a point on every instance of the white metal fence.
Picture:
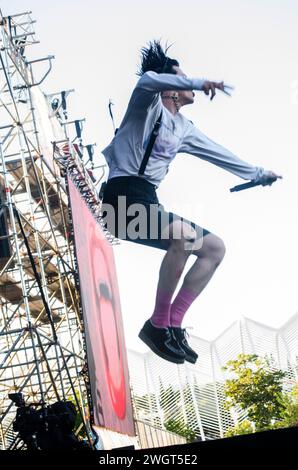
(194, 393)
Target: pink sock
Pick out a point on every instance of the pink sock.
(181, 304)
(161, 314)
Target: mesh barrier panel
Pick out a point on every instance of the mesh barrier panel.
(194, 393)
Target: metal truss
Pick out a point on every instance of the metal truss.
(42, 347)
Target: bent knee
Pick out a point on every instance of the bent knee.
(219, 252)
(213, 248)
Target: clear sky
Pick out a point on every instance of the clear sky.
(252, 45)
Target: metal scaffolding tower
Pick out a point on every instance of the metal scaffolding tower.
(42, 349)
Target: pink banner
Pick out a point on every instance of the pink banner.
(104, 333)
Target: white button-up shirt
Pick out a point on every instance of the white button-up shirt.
(176, 134)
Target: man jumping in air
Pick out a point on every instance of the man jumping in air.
(152, 132)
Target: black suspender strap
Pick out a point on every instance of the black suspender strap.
(150, 145)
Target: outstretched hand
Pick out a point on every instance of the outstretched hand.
(266, 179)
(269, 177)
(212, 86)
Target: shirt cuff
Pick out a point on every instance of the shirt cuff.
(198, 83)
(260, 172)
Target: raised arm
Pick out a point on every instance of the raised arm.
(158, 82)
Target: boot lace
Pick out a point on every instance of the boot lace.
(185, 332)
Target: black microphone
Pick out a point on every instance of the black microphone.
(240, 187)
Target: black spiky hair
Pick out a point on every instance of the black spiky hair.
(154, 58)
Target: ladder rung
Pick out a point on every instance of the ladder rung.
(18, 14)
(17, 36)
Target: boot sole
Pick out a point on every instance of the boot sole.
(191, 359)
(152, 346)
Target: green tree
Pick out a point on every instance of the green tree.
(290, 414)
(79, 422)
(178, 427)
(175, 419)
(256, 388)
(243, 428)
